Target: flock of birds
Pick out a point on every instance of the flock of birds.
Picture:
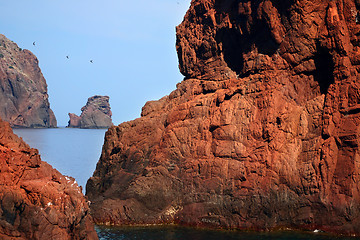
(91, 61)
(67, 56)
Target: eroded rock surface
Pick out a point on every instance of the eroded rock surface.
(95, 114)
(36, 201)
(262, 133)
(23, 89)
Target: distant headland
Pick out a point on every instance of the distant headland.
(23, 89)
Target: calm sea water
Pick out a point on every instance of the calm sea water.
(183, 233)
(75, 152)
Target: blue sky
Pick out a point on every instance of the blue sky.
(131, 43)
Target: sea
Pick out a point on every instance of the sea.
(75, 152)
(72, 151)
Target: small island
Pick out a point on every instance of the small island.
(95, 114)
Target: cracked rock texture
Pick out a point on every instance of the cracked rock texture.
(95, 114)
(262, 133)
(36, 201)
(23, 89)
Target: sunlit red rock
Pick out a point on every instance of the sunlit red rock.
(36, 201)
(263, 133)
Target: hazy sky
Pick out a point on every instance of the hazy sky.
(131, 43)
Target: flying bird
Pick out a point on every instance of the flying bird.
(91, 61)
(34, 43)
(67, 57)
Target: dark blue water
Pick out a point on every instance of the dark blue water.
(183, 233)
(75, 152)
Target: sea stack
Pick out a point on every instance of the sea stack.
(263, 133)
(95, 114)
(23, 89)
(36, 201)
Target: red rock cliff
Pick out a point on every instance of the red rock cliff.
(36, 201)
(262, 133)
(23, 89)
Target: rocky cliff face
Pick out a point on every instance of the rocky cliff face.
(95, 114)
(262, 133)
(36, 201)
(23, 89)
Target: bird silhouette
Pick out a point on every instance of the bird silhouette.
(34, 43)
(91, 61)
(67, 57)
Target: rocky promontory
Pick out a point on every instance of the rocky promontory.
(95, 114)
(23, 89)
(36, 201)
(263, 133)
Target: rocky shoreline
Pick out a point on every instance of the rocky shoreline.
(36, 201)
(262, 134)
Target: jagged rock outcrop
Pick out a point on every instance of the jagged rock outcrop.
(23, 89)
(95, 114)
(262, 133)
(36, 201)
